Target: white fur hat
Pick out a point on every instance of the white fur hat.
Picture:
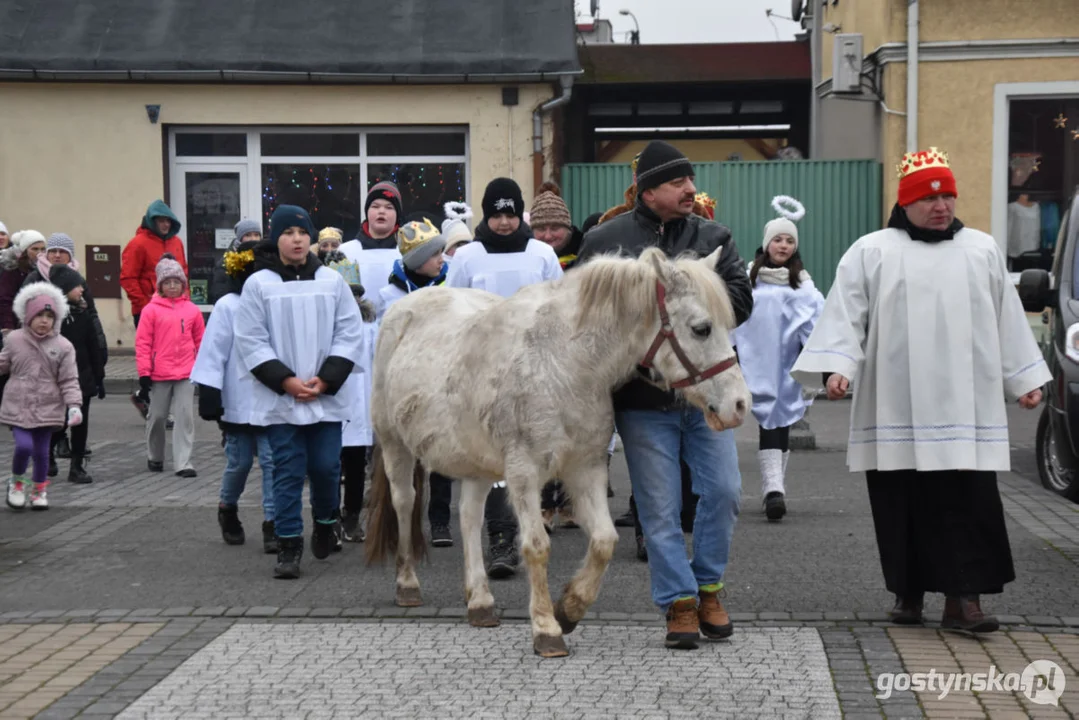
(32, 299)
(790, 212)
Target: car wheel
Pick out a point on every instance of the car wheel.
(1054, 475)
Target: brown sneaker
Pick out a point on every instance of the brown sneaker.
(715, 622)
(683, 630)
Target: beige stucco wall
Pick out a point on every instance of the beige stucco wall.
(83, 158)
(699, 150)
(996, 19)
(879, 22)
(965, 127)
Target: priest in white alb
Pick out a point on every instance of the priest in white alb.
(923, 322)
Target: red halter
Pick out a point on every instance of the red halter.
(666, 334)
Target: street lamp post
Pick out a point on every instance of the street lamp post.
(635, 34)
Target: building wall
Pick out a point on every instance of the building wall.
(699, 150)
(879, 21)
(87, 161)
(995, 19)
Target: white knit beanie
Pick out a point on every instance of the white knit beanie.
(779, 226)
(25, 238)
(790, 211)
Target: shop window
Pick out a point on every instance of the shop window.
(211, 144)
(425, 187)
(212, 202)
(1043, 173)
(332, 194)
(310, 144)
(412, 144)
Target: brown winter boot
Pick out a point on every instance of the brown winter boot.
(683, 628)
(715, 622)
(964, 612)
(907, 610)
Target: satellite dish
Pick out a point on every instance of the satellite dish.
(594, 8)
(796, 9)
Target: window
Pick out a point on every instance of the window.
(1043, 172)
(326, 171)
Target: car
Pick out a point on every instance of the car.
(1056, 294)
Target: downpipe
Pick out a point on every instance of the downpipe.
(912, 75)
(537, 128)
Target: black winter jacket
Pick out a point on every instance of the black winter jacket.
(83, 330)
(630, 234)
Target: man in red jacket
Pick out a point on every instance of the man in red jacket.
(138, 266)
(155, 237)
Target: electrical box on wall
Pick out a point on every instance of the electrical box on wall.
(847, 63)
(103, 271)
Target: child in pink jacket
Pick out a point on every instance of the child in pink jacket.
(42, 395)
(166, 343)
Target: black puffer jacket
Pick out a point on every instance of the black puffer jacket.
(83, 330)
(630, 234)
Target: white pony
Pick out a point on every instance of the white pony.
(482, 388)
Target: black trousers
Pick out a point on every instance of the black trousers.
(940, 531)
(498, 514)
(354, 467)
(438, 507)
(775, 439)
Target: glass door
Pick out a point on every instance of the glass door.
(210, 200)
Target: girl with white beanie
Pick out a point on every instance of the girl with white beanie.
(786, 305)
(17, 261)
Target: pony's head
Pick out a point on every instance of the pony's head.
(681, 313)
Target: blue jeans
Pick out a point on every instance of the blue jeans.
(653, 441)
(240, 448)
(299, 451)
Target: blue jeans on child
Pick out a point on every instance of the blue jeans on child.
(240, 449)
(299, 451)
(653, 441)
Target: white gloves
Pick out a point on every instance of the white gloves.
(74, 416)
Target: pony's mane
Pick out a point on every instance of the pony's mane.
(611, 288)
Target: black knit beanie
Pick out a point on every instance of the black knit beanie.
(503, 195)
(65, 278)
(661, 162)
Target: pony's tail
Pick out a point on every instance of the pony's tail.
(383, 532)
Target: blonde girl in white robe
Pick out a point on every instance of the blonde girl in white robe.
(786, 305)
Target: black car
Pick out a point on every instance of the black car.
(1057, 294)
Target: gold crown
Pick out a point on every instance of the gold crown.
(329, 232)
(237, 262)
(705, 200)
(415, 234)
(922, 160)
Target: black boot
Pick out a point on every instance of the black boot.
(289, 553)
(77, 473)
(504, 559)
(63, 447)
(269, 538)
(53, 469)
(232, 530)
(907, 610)
(323, 540)
(964, 612)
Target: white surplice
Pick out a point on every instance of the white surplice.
(503, 273)
(218, 363)
(375, 265)
(299, 323)
(933, 338)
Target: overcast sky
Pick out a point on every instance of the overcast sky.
(696, 21)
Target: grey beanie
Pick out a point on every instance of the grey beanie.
(418, 242)
(60, 241)
(243, 227)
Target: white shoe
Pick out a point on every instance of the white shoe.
(39, 499)
(16, 493)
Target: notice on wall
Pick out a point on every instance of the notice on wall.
(200, 292)
(223, 238)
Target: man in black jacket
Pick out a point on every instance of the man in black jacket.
(657, 427)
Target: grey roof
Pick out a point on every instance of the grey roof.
(288, 40)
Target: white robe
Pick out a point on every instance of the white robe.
(300, 323)
(218, 363)
(357, 430)
(375, 267)
(768, 344)
(503, 273)
(933, 338)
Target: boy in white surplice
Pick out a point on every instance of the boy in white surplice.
(924, 322)
(298, 331)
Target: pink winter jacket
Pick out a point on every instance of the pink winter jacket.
(168, 338)
(44, 380)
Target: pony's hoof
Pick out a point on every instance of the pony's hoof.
(409, 597)
(550, 646)
(483, 617)
(566, 624)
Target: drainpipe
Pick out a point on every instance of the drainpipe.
(816, 55)
(537, 128)
(912, 75)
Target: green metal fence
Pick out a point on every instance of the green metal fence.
(841, 197)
